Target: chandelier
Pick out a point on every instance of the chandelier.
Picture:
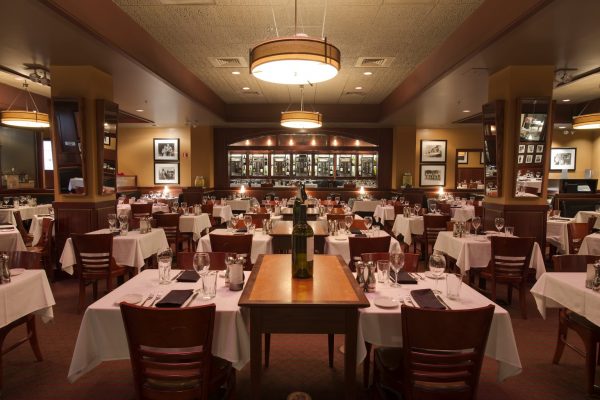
(301, 119)
(25, 118)
(295, 60)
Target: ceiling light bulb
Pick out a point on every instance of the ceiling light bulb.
(313, 142)
(358, 88)
(247, 142)
(466, 111)
(561, 127)
(245, 88)
(139, 110)
(357, 142)
(291, 142)
(269, 142)
(566, 100)
(335, 142)
(367, 73)
(235, 72)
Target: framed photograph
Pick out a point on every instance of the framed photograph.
(166, 173)
(531, 148)
(107, 140)
(166, 149)
(532, 127)
(433, 175)
(563, 158)
(433, 151)
(462, 157)
(529, 159)
(539, 148)
(521, 149)
(538, 158)
(520, 159)
(482, 158)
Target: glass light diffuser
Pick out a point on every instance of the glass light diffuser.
(301, 119)
(586, 121)
(25, 119)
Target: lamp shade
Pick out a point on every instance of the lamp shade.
(301, 119)
(25, 119)
(295, 60)
(586, 121)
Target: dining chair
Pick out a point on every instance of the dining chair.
(444, 208)
(433, 224)
(169, 222)
(209, 209)
(509, 264)
(170, 352)
(139, 211)
(185, 260)
(441, 355)
(26, 260)
(478, 211)
(27, 238)
(360, 245)
(257, 219)
(93, 253)
(576, 232)
(239, 244)
(337, 209)
(591, 224)
(44, 246)
(567, 319)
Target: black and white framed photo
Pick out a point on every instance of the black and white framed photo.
(532, 127)
(520, 159)
(529, 159)
(521, 149)
(433, 175)
(538, 158)
(166, 173)
(539, 148)
(433, 151)
(563, 158)
(531, 148)
(107, 140)
(462, 157)
(166, 149)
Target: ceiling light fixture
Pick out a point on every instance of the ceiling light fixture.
(235, 72)
(25, 118)
(586, 121)
(295, 60)
(358, 88)
(367, 73)
(139, 110)
(301, 119)
(566, 100)
(466, 111)
(245, 88)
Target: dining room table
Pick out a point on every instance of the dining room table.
(408, 226)
(261, 242)
(27, 212)
(557, 233)
(475, 251)
(129, 250)
(224, 212)
(462, 213)
(590, 245)
(125, 209)
(239, 205)
(583, 216)
(384, 213)
(11, 239)
(340, 244)
(366, 206)
(194, 224)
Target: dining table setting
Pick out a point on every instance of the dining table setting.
(27, 212)
(340, 245)
(261, 242)
(590, 245)
(11, 239)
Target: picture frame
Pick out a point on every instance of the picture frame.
(521, 149)
(563, 158)
(166, 149)
(531, 148)
(520, 159)
(529, 159)
(533, 127)
(539, 148)
(538, 159)
(432, 175)
(107, 140)
(433, 151)
(462, 157)
(166, 173)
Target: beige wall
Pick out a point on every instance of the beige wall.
(587, 144)
(403, 156)
(202, 154)
(457, 138)
(136, 153)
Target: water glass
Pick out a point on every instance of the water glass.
(123, 228)
(437, 266)
(112, 222)
(383, 271)
(209, 285)
(201, 262)
(509, 230)
(453, 284)
(499, 223)
(376, 230)
(165, 257)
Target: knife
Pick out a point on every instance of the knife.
(443, 302)
(191, 298)
(177, 276)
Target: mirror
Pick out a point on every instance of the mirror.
(367, 165)
(280, 165)
(302, 165)
(67, 136)
(346, 164)
(237, 165)
(107, 116)
(470, 169)
(493, 137)
(533, 118)
(259, 164)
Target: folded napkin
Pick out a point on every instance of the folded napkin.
(403, 277)
(425, 298)
(175, 298)
(356, 231)
(188, 276)
(242, 230)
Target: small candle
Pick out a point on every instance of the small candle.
(242, 189)
(166, 191)
(362, 190)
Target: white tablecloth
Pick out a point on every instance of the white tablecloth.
(261, 244)
(532, 183)
(27, 293)
(195, 224)
(557, 234)
(476, 251)
(590, 245)
(238, 205)
(382, 327)
(102, 334)
(223, 212)
(567, 289)
(583, 216)
(11, 240)
(408, 227)
(365, 205)
(27, 212)
(125, 209)
(36, 228)
(386, 213)
(75, 183)
(462, 214)
(130, 250)
(339, 245)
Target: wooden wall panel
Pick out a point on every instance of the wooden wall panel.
(528, 220)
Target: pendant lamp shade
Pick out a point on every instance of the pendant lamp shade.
(586, 121)
(301, 119)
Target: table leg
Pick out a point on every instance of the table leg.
(255, 353)
(350, 339)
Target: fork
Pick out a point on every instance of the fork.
(156, 298)
(150, 296)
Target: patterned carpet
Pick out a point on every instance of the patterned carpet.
(298, 363)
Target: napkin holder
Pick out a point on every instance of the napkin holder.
(236, 277)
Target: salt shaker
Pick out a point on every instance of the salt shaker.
(360, 274)
(4, 269)
(371, 285)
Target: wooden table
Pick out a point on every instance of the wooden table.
(282, 233)
(280, 304)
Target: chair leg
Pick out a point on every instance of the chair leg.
(95, 289)
(509, 295)
(560, 340)
(590, 364)
(523, 300)
(267, 349)
(367, 365)
(33, 340)
(330, 344)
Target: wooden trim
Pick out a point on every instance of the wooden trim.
(529, 220)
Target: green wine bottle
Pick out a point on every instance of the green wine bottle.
(303, 247)
(296, 210)
(303, 194)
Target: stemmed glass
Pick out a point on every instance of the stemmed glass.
(476, 222)
(112, 222)
(396, 263)
(417, 208)
(248, 222)
(175, 207)
(337, 200)
(201, 263)
(6, 200)
(499, 223)
(368, 223)
(432, 207)
(437, 266)
(348, 219)
(185, 208)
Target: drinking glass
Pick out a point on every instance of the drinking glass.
(123, 224)
(184, 206)
(337, 200)
(209, 285)
(112, 222)
(476, 222)
(499, 223)
(175, 207)
(201, 262)
(453, 284)
(437, 266)
(341, 226)
(231, 224)
(383, 271)
(432, 207)
(165, 257)
(396, 263)
(6, 199)
(509, 230)
(348, 219)
(248, 222)
(368, 223)
(417, 208)
(376, 230)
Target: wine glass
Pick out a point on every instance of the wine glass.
(437, 266)
(112, 222)
(248, 222)
(348, 220)
(417, 208)
(499, 223)
(432, 207)
(201, 262)
(396, 263)
(476, 222)
(337, 200)
(175, 207)
(368, 223)
(6, 200)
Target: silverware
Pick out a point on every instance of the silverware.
(408, 300)
(412, 275)
(150, 296)
(187, 303)
(156, 298)
(443, 302)
(419, 276)
(177, 276)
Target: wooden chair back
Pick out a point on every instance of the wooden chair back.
(576, 231)
(337, 209)
(478, 211)
(336, 216)
(432, 226)
(360, 245)
(257, 219)
(139, 210)
(591, 224)
(444, 208)
(93, 254)
(358, 224)
(510, 258)
(448, 365)
(398, 208)
(170, 350)
(45, 241)
(20, 226)
(185, 260)
(238, 244)
(207, 208)
(573, 262)
(411, 260)
(24, 259)
(169, 222)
